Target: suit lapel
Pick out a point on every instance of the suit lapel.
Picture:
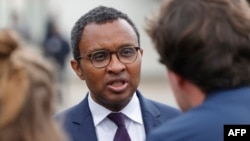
(84, 129)
(150, 113)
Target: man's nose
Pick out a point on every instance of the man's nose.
(115, 65)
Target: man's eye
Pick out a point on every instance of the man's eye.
(99, 56)
(127, 52)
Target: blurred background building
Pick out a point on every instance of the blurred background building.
(30, 18)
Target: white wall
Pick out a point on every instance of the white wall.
(31, 13)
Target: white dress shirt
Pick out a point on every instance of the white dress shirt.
(105, 128)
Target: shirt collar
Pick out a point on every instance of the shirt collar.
(132, 110)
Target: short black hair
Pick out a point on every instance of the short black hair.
(99, 15)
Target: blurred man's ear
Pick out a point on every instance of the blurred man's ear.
(77, 68)
(179, 82)
(141, 51)
(185, 91)
(175, 80)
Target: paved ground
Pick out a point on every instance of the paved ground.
(74, 91)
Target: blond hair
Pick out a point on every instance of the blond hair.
(26, 93)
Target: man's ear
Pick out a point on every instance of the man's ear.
(176, 80)
(77, 68)
(183, 84)
(141, 51)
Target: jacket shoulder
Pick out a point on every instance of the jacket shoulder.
(165, 110)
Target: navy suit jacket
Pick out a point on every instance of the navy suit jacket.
(78, 121)
(206, 122)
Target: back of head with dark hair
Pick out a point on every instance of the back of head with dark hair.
(98, 15)
(205, 41)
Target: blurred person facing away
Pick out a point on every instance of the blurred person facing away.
(26, 93)
(107, 55)
(205, 47)
(56, 47)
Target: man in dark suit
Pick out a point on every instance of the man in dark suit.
(206, 48)
(107, 55)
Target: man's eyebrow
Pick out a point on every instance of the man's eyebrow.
(105, 49)
(126, 45)
(97, 49)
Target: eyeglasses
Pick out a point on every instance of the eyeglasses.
(101, 58)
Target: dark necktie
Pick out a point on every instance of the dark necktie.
(121, 132)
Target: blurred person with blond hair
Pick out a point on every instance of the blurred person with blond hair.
(26, 93)
(205, 47)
